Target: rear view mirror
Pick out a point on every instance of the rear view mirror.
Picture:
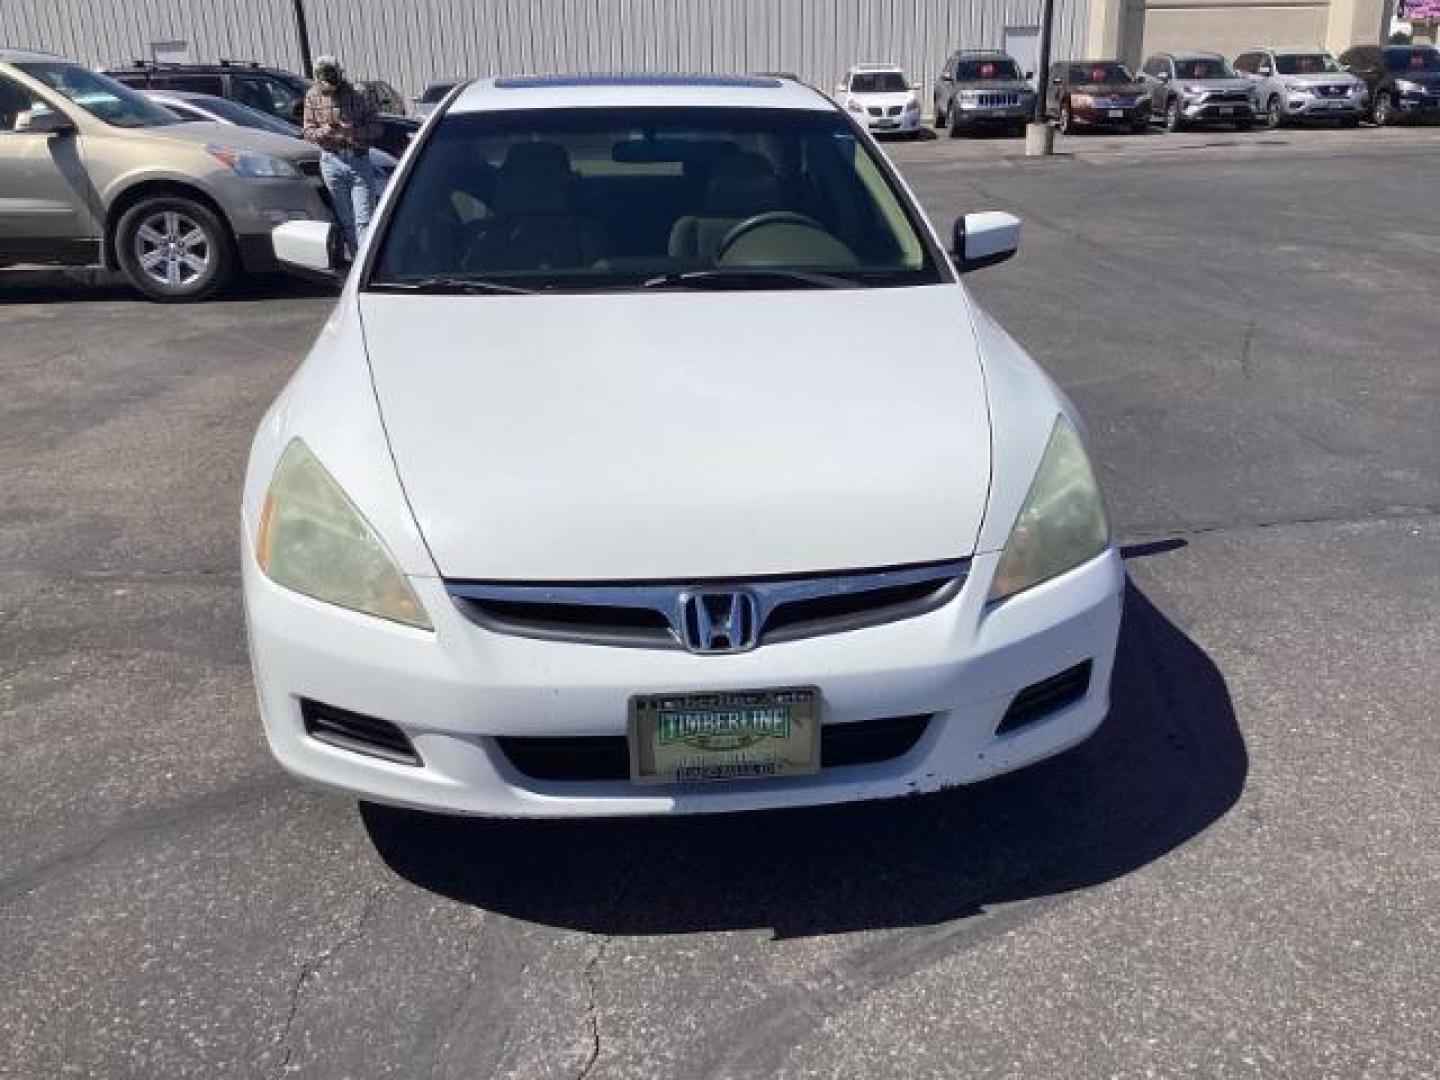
(43, 120)
(312, 246)
(984, 239)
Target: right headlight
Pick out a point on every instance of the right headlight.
(314, 540)
(254, 166)
(1062, 523)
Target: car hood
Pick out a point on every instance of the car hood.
(1110, 89)
(1429, 79)
(1218, 84)
(684, 435)
(252, 140)
(994, 84)
(899, 97)
(1320, 78)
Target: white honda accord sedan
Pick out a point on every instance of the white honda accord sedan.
(655, 460)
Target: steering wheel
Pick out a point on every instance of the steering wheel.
(760, 221)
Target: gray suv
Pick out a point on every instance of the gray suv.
(93, 172)
(1302, 84)
(1197, 88)
(982, 88)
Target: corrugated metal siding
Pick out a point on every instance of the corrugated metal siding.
(411, 42)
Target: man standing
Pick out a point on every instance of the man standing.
(341, 121)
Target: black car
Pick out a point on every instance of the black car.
(274, 91)
(1096, 93)
(1403, 80)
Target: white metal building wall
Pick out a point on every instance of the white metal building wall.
(410, 42)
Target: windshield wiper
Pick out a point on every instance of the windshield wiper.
(746, 279)
(453, 286)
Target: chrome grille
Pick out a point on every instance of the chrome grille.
(893, 110)
(875, 110)
(1332, 91)
(657, 616)
(1228, 97)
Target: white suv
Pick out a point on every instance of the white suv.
(882, 98)
(655, 460)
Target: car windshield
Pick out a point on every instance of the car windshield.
(1099, 74)
(1203, 67)
(244, 116)
(435, 91)
(985, 70)
(100, 95)
(878, 82)
(1412, 60)
(615, 198)
(1306, 64)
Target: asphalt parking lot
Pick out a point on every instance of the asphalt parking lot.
(1236, 877)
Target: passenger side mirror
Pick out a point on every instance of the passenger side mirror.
(946, 77)
(1164, 76)
(43, 120)
(312, 246)
(1263, 71)
(984, 239)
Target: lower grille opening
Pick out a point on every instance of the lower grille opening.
(607, 757)
(1041, 699)
(356, 733)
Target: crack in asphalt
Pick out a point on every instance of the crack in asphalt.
(442, 1034)
(592, 1009)
(310, 968)
(1379, 517)
(18, 886)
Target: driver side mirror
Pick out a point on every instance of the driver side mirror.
(984, 239)
(1164, 76)
(43, 120)
(1263, 71)
(310, 246)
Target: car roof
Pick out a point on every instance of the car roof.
(140, 67)
(1088, 63)
(597, 91)
(982, 52)
(874, 67)
(1194, 56)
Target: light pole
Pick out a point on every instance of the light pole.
(1039, 137)
(302, 30)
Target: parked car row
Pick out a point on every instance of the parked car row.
(983, 89)
(272, 91)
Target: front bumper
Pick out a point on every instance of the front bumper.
(1311, 107)
(453, 691)
(1221, 112)
(1104, 115)
(256, 207)
(994, 114)
(1419, 106)
(906, 123)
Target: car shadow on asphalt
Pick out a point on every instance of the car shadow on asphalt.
(61, 286)
(1168, 763)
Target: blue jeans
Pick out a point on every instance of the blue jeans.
(353, 187)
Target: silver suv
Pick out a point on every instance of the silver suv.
(1302, 84)
(92, 172)
(1197, 88)
(982, 88)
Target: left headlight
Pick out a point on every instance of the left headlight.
(253, 166)
(314, 540)
(1062, 523)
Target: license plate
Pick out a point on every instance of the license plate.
(1117, 114)
(1335, 104)
(725, 735)
(1226, 110)
(887, 123)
